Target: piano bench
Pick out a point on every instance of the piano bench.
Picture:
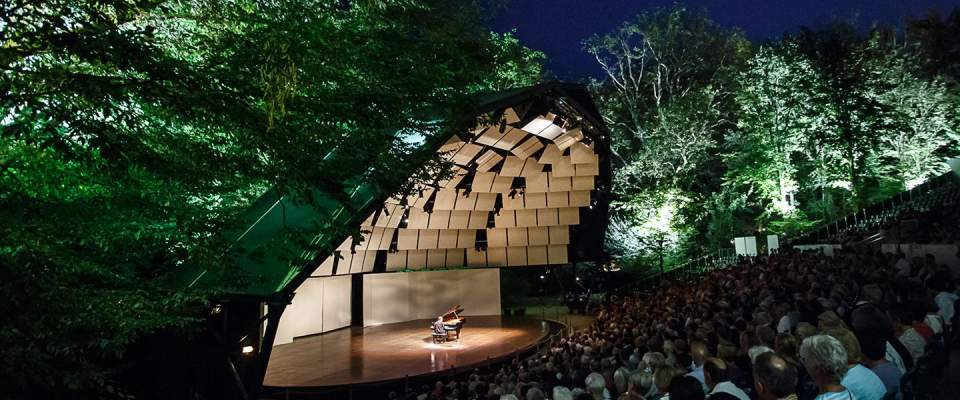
(439, 337)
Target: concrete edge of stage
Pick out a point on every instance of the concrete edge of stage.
(413, 381)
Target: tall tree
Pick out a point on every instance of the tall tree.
(133, 132)
(667, 97)
(779, 103)
(855, 118)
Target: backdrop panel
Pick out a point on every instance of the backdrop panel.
(405, 296)
(320, 305)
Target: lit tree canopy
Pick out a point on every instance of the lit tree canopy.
(134, 131)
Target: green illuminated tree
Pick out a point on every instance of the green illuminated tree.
(134, 131)
(922, 127)
(779, 109)
(667, 98)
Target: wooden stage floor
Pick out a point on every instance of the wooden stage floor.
(392, 351)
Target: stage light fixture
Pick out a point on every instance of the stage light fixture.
(247, 350)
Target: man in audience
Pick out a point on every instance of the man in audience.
(699, 353)
(597, 387)
(859, 380)
(639, 386)
(874, 349)
(945, 299)
(685, 388)
(561, 393)
(825, 360)
(774, 378)
(715, 375)
(662, 379)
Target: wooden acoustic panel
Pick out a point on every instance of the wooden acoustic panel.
(526, 183)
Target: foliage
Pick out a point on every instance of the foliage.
(801, 131)
(778, 101)
(133, 132)
(667, 98)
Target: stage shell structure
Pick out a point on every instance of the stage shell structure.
(528, 186)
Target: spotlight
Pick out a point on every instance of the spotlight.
(247, 350)
(543, 277)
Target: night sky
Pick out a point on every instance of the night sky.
(557, 27)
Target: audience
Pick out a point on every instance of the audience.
(794, 325)
(718, 382)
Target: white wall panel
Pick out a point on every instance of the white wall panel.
(320, 305)
(336, 302)
(405, 296)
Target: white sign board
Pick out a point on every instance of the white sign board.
(773, 243)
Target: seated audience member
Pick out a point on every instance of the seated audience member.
(620, 380)
(945, 299)
(869, 323)
(638, 387)
(907, 333)
(715, 375)
(859, 380)
(699, 354)
(535, 393)
(597, 386)
(805, 330)
(825, 360)
(829, 320)
(786, 348)
(756, 351)
(653, 361)
(766, 335)
(874, 350)
(561, 393)
(662, 379)
(685, 388)
(774, 378)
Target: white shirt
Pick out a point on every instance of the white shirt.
(903, 267)
(844, 395)
(731, 389)
(933, 321)
(894, 357)
(913, 342)
(945, 302)
(785, 325)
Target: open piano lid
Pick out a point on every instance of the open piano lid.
(453, 311)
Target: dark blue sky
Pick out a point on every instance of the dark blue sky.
(557, 27)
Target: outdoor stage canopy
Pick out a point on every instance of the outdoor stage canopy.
(529, 187)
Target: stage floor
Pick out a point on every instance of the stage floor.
(392, 351)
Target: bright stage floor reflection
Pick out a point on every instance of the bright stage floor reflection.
(392, 351)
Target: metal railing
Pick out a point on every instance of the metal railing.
(873, 217)
(714, 260)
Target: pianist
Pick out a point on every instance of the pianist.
(438, 326)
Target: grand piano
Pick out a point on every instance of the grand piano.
(453, 322)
